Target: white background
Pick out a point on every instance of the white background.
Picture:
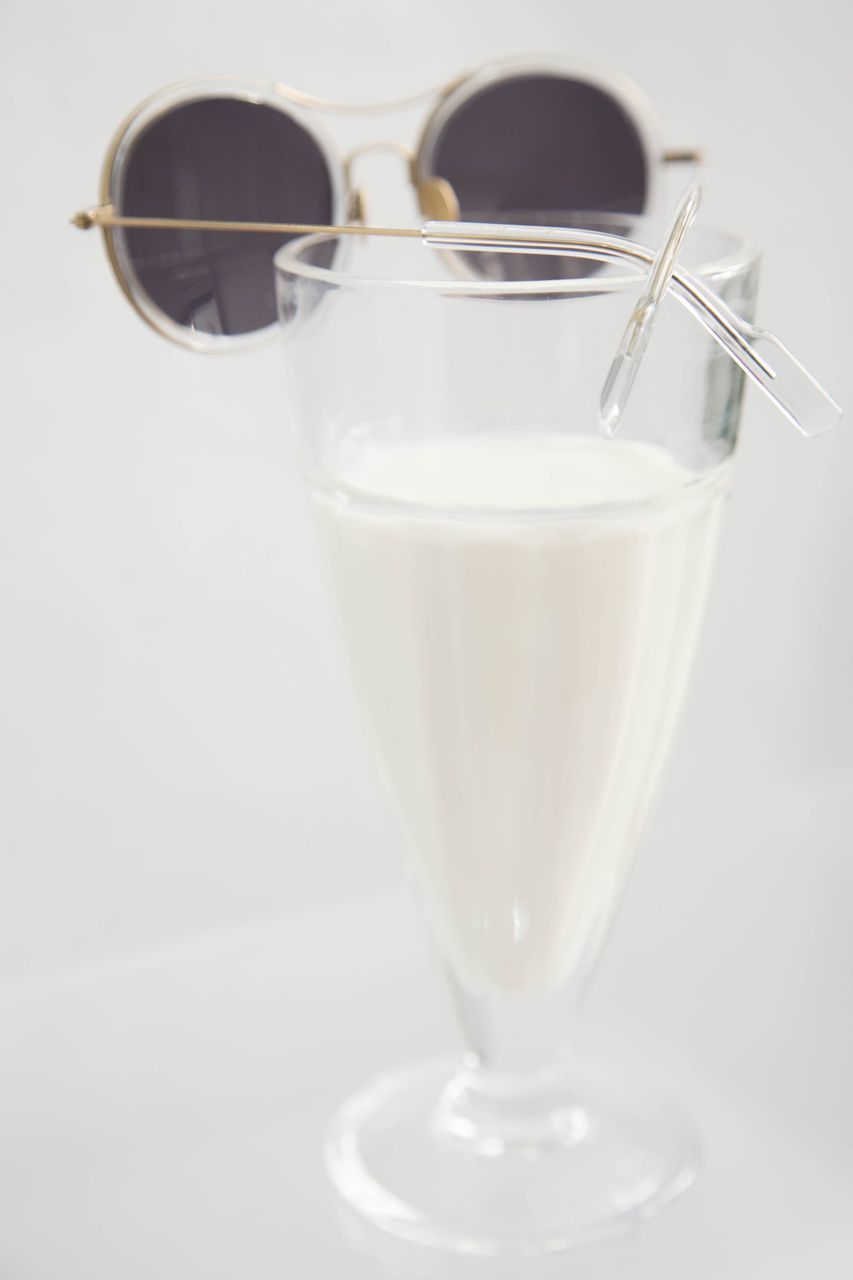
(179, 748)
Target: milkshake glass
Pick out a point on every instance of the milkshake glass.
(520, 600)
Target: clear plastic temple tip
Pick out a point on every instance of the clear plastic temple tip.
(626, 363)
(793, 390)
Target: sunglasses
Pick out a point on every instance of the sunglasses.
(195, 167)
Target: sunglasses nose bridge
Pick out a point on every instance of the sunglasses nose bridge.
(369, 148)
(405, 153)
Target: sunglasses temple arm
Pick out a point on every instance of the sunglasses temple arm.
(764, 359)
(105, 217)
(761, 356)
(686, 155)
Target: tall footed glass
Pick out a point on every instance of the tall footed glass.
(520, 599)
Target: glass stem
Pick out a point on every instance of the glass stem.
(511, 1091)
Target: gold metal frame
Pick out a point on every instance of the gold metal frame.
(435, 195)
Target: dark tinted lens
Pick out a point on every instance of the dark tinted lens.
(230, 160)
(541, 149)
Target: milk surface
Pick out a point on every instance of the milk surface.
(520, 616)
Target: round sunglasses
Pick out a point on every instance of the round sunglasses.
(538, 143)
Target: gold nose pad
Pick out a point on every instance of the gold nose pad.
(438, 200)
(356, 209)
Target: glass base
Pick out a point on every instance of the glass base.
(459, 1162)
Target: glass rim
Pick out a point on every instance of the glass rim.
(739, 255)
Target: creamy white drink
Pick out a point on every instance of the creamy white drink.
(520, 616)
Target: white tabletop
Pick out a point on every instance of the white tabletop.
(163, 1115)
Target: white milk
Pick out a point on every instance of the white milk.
(521, 672)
